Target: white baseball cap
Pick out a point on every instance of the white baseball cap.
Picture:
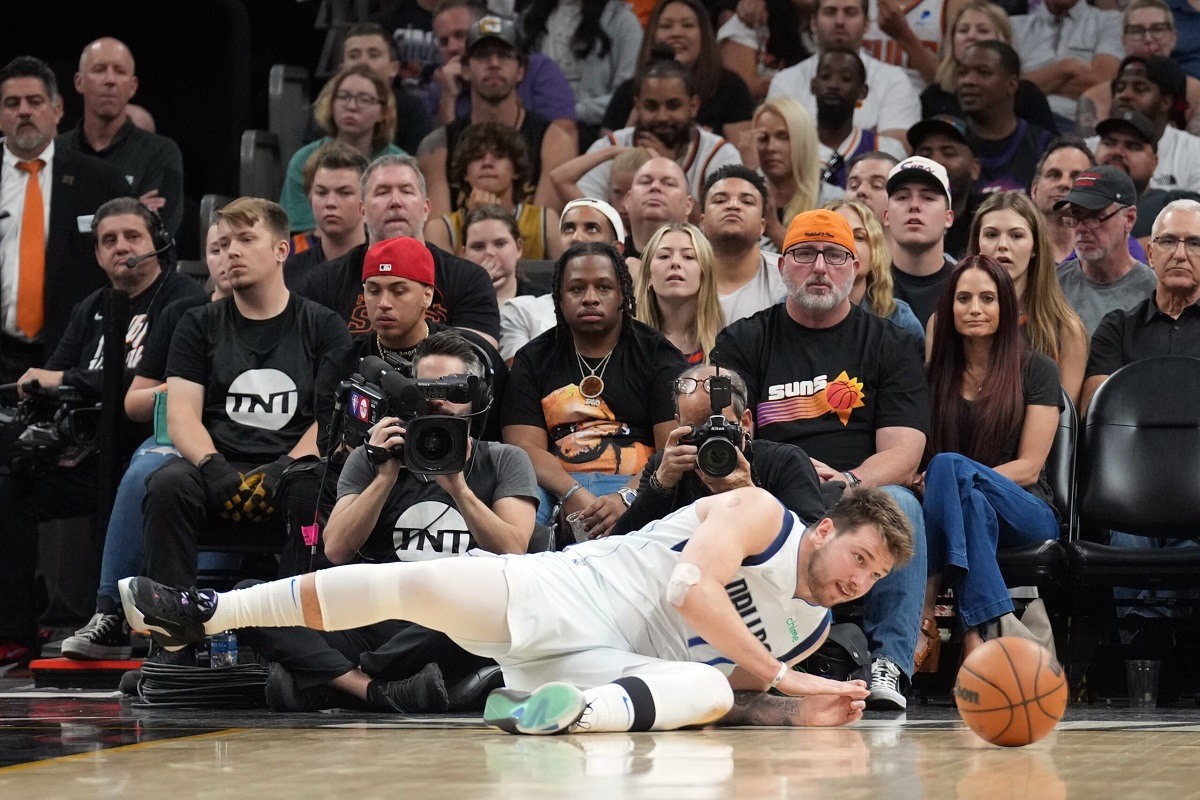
(921, 169)
(604, 208)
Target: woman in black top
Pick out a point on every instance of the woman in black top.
(996, 406)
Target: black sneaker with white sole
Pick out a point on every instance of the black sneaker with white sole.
(887, 692)
(176, 617)
(106, 636)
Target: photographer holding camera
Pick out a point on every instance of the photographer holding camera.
(711, 452)
(129, 240)
(391, 507)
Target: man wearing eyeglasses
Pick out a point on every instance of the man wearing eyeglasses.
(1103, 276)
(848, 388)
(672, 478)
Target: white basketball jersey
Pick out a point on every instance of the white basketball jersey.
(634, 570)
(927, 20)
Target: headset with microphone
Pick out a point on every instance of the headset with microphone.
(160, 237)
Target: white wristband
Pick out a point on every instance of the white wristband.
(778, 679)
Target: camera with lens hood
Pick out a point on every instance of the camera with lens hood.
(718, 440)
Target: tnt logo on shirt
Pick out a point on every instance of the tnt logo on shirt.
(812, 399)
(428, 530)
(262, 398)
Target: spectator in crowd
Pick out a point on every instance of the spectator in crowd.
(944, 139)
(979, 21)
(410, 27)
(764, 37)
(787, 150)
(1066, 47)
(543, 90)
(396, 204)
(1065, 158)
(1009, 229)
(666, 104)
(590, 400)
(1154, 86)
(872, 290)
(748, 279)
(672, 478)
(359, 111)
(595, 43)
(250, 388)
(1006, 146)
(332, 182)
(848, 388)
(492, 239)
(626, 161)
(368, 43)
(659, 195)
(681, 29)
(890, 108)
(152, 164)
(106, 635)
(1148, 29)
(526, 316)
(1103, 276)
(996, 407)
(126, 231)
(49, 256)
(1128, 142)
(494, 64)
(866, 181)
(838, 87)
(676, 290)
(908, 36)
(918, 216)
(491, 167)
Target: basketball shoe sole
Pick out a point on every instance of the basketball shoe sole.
(549, 709)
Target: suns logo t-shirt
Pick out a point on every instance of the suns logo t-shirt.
(827, 390)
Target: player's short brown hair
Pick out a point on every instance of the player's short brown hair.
(246, 211)
(864, 505)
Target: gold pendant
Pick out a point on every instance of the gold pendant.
(591, 387)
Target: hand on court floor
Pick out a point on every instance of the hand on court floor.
(828, 711)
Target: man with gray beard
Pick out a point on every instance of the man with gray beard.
(848, 388)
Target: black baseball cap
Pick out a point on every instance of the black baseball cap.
(493, 27)
(1098, 187)
(953, 127)
(1130, 120)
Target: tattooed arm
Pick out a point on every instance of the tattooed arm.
(760, 708)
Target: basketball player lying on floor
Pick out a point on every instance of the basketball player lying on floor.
(655, 630)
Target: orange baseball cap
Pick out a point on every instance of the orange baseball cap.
(819, 226)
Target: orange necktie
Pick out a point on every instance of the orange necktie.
(32, 263)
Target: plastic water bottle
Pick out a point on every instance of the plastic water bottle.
(223, 649)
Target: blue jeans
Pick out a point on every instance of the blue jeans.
(892, 609)
(124, 551)
(1164, 611)
(970, 511)
(597, 483)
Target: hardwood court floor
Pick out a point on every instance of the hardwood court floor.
(100, 748)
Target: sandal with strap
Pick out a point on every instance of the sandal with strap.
(926, 659)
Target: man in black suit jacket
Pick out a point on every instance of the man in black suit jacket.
(73, 185)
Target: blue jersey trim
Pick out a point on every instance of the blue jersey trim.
(716, 661)
(784, 531)
(810, 641)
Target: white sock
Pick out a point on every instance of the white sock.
(267, 605)
(609, 709)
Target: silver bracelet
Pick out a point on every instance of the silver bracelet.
(567, 495)
(779, 676)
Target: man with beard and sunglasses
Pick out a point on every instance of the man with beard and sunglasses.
(666, 104)
(848, 388)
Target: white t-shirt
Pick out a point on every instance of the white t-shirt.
(762, 291)
(707, 153)
(1178, 160)
(926, 18)
(523, 318)
(891, 104)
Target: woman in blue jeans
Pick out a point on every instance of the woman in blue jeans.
(995, 411)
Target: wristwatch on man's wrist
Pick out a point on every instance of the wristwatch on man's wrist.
(628, 495)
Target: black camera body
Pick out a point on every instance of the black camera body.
(434, 444)
(48, 428)
(718, 440)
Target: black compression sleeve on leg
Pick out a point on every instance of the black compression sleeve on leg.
(643, 702)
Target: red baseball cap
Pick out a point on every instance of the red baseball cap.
(402, 257)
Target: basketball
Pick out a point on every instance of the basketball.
(841, 396)
(1011, 691)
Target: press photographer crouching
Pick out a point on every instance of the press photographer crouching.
(52, 470)
(711, 451)
(413, 491)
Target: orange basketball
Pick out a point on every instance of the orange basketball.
(1011, 691)
(841, 396)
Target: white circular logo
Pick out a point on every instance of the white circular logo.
(262, 398)
(428, 530)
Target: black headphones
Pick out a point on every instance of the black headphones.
(159, 235)
(482, 402)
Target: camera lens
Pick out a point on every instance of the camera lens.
(717, 458)
(434, 444)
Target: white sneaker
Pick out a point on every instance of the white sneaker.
(886, 694)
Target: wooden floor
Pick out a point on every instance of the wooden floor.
(97, 747)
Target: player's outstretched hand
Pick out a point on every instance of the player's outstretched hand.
(829, 711)
(801, 684)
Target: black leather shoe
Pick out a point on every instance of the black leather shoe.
(469, 693)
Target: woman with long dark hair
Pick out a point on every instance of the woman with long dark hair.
(996, 406)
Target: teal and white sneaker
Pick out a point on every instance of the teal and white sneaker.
(549, 709)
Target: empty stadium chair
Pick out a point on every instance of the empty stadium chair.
(1138, 468)
(262, 165)
(288, 107)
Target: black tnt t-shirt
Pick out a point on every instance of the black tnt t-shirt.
(921, 292)
(265, 381)
(463, 295)
(827, 390)
(613, 433)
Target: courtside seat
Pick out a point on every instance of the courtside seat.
(288, 107)
(262, 165)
